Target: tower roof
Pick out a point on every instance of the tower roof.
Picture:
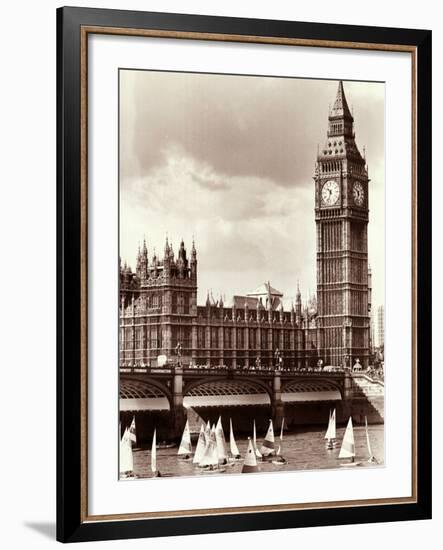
(264, 290)
(340, 107)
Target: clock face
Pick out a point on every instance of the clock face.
(330, 192)
(358, 193)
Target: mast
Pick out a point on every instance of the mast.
(232, 443)
(154, 452)
(367, 439)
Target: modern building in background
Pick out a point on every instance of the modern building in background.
(381, 326)
(159, 315)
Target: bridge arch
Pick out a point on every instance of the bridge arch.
(311, 390)
(225, 392)
(143, 395)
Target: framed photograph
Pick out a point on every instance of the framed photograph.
(244, 274)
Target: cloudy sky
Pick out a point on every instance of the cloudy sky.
(230, 161)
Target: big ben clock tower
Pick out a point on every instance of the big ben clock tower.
(342, 215)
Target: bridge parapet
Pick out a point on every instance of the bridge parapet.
(220, 371)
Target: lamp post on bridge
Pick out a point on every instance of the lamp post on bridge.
(178, 352)
(179, 411)
(278, 360)
(277, 403)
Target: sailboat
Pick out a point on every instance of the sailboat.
(348, 446)
(268, 446)
(330, 434)
(371, 459)
(131, 432)
(201, 446)
(185, 449)
(221, 442)
(154, 470)
(210, 459)
(250, 463)
(126, 458)
(235, 453)
(254, 441)
(208, 431)
(280, 459)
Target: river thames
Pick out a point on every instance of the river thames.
(303, 449)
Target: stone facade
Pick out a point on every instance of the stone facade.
(159, 315)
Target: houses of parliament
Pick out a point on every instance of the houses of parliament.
(159, 313)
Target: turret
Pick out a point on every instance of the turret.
(167, 260)
(181, 261)
(155, 264)
(193, 261)
(221, 305)
(142, 264)
(298, 305)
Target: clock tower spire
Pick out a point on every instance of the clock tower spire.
(342, 216)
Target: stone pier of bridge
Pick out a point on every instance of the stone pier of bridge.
(359, 396)
(179, 412)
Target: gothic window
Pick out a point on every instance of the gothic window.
(264, 338)
(214, 337)
(252, 338)
(286, 339)
(186, 304)
(227, 343)
(128, 339)
(138, 337)
(240, 338)
(200, 337)
(186, 338)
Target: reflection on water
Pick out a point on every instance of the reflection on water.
(304, 450)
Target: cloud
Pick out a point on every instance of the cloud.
(230, 161)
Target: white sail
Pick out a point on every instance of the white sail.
(328, 431)
(154, 452)
(131, 432)
(221, 442)
(185, 444)
(348, 446)
(333, 434)
(278, 453)
(254, 441)
(232, 443)
(210, 456)
(126, 458)
(367, 439)
(201, 446)
(250, 463)
(268, 446)
(208, 431)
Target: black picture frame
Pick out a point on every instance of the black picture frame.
(72, 525)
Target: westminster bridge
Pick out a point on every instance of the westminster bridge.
(166, 396)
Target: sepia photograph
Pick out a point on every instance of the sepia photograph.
(251, 274)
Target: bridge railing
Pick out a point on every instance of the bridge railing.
(239, 371)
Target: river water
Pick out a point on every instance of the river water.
(304, 449)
